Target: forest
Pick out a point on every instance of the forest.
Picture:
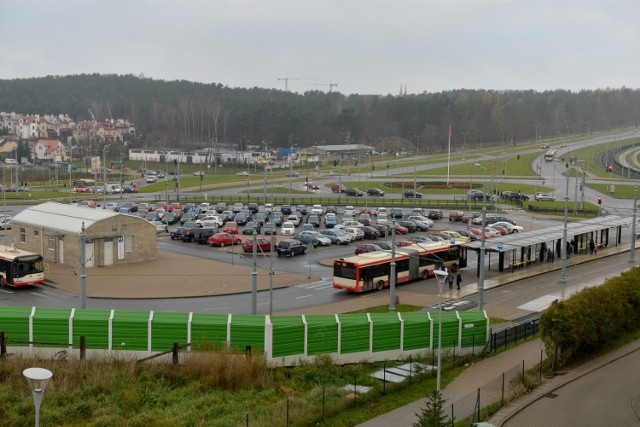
(194, 115)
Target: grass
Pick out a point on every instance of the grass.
(588, 153)
(621, 191)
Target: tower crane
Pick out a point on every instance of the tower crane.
(286, 80)
(330, 84)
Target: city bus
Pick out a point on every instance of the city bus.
(550, 155)
(83, 185)
(371, 270)
(20, 268)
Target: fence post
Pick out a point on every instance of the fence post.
(355, 389)
(247, 351)
(3, 344)
(247, 421)
(83, 347)
(540, 373)
(410, 369)
(384, 378)
(323, 401)
(523, 371)
(174, 353)
(502, 398)
(473, 344)
(287, 412)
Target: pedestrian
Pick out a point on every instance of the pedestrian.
(559, 248)
(592, 247)
(458, 278)
(549, 255)
(569, 249)
(450, 280)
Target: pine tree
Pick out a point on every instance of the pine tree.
(433, 414)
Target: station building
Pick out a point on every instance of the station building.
(54, 230)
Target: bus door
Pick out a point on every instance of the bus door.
(414, 265)
(462, 253)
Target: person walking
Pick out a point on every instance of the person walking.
(592, 247)
(458, 279)
(450, 280)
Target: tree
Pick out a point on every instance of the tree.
(433, 414)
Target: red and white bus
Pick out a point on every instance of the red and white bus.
(20, 268)
(371, 270)
(83, 185)
(550, 155)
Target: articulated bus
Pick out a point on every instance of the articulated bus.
(83, 185)
(20, 268)
(550, 155)
(371, 270)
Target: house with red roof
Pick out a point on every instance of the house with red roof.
(49, 150)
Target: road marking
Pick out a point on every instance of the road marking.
(304, 296)
(6, 292)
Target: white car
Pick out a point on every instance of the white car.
(355, 232)
(492, 232)
(382, 218)
(294, 219)
(350, 223)
(288, 229)
(210, 221)
(151, 179)
(324, 240)
(161, 227)
(5, 223)
(243, 173)
(381, 211)
(348, 211)
(316, 209)
(510, 227)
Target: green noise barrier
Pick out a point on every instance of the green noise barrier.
(284, 340)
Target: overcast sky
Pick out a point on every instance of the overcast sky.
(365, 47)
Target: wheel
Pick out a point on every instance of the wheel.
(380, 285)
(425, 274)
(221, 244)
(515, 231)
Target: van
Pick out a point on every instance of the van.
(11, 161)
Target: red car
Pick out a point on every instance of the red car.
(367, 247)
(231, 227)
(403, 243)
(502, 230)
(223, 239)
(401, 230)
(262, 245)
(478, 233)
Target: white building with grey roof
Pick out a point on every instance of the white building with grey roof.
(54, 230)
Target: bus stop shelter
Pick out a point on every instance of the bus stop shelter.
(520, 250)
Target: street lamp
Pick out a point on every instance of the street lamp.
(38, 378)
(441, 275)
(482, 240)
(392, 270)
(632, 255)
(104, 168)
(563, 271)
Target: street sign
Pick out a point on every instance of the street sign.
(500, 246)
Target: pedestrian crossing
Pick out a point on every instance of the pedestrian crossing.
(317, 285)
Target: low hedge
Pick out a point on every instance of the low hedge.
(588, 321)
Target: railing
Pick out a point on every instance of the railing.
(513, 334)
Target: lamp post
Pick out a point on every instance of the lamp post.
(503, 154)
(38, 378)
(104, 168)
(290, 171)
(441, 275)
(563, 271)
(632, 255)
(254, 274)
(482, 241)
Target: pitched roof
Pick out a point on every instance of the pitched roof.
(66, 219)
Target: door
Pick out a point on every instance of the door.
(61, 249)
(89, 254)
(108, 251)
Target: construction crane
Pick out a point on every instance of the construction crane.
(286, 80)
(330, 84)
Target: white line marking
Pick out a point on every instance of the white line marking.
(304, 296)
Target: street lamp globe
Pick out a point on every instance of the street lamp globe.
(441, 275)
(38, 378)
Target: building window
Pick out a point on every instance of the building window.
(123, 228)
(36, 233)
(114, 228)
(128, 244)
(52, 243)
(23, 235)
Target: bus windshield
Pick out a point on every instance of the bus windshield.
(344, 269)
(28, 265)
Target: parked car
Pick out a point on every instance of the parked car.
(176, 233)
(396, 213)
(223, 239)
(285, 209)
(338, 188)
(202, 235)
(248, 227)
(241, 218)
(420, 222)
(302, 209)
(293, 174)
(385, 246)
(456, 236)
(355, 232)
(231, 227)
(511, 228)
(435, 214)
(252, 207)
(314, 220)
(383, 229)
(410, 194)
(322, 239)
(290, 247)
(262, 245)
(308, 239)
(307, 227)
(332, 209)
(456, 216)
(317, 209)
(348, 212)
(269, 228)
(160, 226)
(338, 237)
(330, 220)
(288, 229)
(409, 225)
(544, 197)
(367, 247)
(294, 219)
(375, 192)
(370, 232)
